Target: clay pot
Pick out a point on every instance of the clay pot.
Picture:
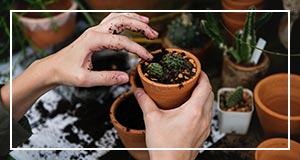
(234, 122)
(168, 96)
(131, 138)
(271, 99)
(234, 75)
(198, 52)
(292, 154)
(235, 20)
(40, 30)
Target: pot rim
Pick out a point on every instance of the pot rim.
(242, 3)
(262, 106)
(232, 89)
(263, 63)
(293, 145)
(114, 119)
(197, 62)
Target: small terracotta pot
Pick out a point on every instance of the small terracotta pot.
(292, 154)
(234, 75)
(168, 96)
(198, 52)
(271, 99)
(41, 32)
(131, 138)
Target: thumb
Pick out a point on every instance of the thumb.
(146, 103)
(105, 78)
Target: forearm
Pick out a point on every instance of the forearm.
(27, 88)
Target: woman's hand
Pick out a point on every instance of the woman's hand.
(72, 65)
(184, 127)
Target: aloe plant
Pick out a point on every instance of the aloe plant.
(244, 40)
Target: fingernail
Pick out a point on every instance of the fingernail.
(154, 32)
(149, 56)
(138, 92)
(122, 78)
(146, 19)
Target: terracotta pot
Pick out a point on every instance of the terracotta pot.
(235, 20)
(234, 122)
(168, 96)
(41, 32)
(198, 52)
(292, 154)
(271, 99)
(234, 75)
(131, 138)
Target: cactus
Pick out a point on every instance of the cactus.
(183, 31)
(235, 97)
(172, 61)
(155, 70)
(245, 39)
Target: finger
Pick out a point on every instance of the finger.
(94, 41)
(131, 15)
(102, 78)
(120, 23)
(146, 103)
(201, 93)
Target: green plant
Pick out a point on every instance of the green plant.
(235, 97)
(184, 30)
(244, 40)
(172, 61)
(155, 70)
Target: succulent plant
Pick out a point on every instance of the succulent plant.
(172, 61)
(245, 39)
(155, 70)
(183, 31)
(235, 97)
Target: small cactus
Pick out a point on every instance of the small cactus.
(155, 70)
(235, 97)
(183, 31)
(173, 61)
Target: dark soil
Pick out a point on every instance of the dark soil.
(129, 114)
(172, 75)
(243, 106)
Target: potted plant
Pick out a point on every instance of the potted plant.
(184, 32)
(170, 77)
(127, 117)
(45, 29)
(235, 108)
(238, 67)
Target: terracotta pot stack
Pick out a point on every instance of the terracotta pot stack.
(235, 20)
(168, 96)
(271, 99)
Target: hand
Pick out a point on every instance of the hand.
(72, 65)
(184, 127)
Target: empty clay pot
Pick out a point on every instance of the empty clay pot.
(271, 99)
(40, 30)
(292, 154)
(131, 138)
(234, 75)
(168, 96)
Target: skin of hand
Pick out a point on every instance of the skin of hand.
(184, 127)
(72, 65)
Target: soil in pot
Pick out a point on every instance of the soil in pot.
(130, 116)
(181, 69)
(245, 105)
